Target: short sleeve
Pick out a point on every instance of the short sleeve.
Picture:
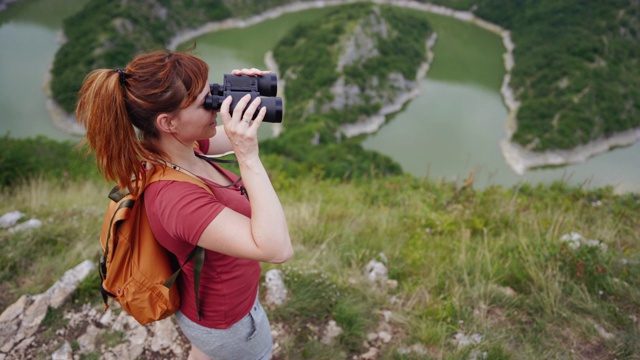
(179, 212)
(203, 145)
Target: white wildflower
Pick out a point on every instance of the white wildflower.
(461, 339)
(575, 240)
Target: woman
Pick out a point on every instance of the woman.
(162, 95)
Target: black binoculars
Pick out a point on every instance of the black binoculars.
(237, 86)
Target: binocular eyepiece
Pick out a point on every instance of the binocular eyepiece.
(237, 86)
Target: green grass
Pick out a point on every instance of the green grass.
(71, 215)
(474, 262)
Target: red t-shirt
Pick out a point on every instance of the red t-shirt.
(178, 213)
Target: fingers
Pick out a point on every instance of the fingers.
(253, 114)
(245, 111)
(224, 109)
(242, 111)
(252, 108)
(250, 72)
(257, 118)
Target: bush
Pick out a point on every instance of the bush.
(23, 159)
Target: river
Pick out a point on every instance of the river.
(452, 128)
(29, 39)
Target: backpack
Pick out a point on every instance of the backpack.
(135, 270)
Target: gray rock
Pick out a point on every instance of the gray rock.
(276, 290)
(10, 219)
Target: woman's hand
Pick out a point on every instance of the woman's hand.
(223, 142)
(250, 72)
(242, 126)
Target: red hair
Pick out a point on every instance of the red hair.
(112, 102)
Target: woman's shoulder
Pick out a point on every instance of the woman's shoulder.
(174, 191)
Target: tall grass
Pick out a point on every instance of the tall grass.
(488, 262)
(488, 265)
(71, 213)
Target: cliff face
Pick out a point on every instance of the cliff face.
(366, 60)
(359, 46)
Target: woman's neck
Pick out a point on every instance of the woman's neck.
(177, 152)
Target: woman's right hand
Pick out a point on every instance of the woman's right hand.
(241, 130)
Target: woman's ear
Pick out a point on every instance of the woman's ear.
(166, 123)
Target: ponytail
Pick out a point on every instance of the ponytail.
(110, 134)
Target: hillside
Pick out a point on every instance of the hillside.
(359, 59)
(525, 272)
(107, 34)
(528, 272)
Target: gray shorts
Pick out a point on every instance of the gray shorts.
(248, 339)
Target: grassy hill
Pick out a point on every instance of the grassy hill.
(497, 266)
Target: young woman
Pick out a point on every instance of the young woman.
(162, 95)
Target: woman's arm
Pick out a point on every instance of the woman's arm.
(219, 144)
(264, 236)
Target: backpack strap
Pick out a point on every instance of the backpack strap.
(115, 195)
(198, 263)
(168, 173)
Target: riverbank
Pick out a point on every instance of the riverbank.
(520, 159)
(60, 118)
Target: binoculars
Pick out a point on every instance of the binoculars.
(237, 86)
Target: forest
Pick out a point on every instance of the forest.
(577, 66)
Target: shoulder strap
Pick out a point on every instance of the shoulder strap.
(168, 173)
(213, 158)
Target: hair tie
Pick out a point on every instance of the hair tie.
(123, 76)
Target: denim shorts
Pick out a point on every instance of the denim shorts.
(248, 339)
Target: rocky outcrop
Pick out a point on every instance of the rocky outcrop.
(357, 49)
(20, 321)
(406, 90)
(86, 330)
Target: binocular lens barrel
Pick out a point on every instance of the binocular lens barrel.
(273, 105)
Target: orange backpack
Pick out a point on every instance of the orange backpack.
(136, 271)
